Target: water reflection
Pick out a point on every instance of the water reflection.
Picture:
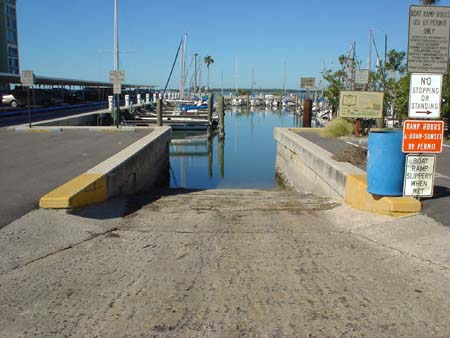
(245, 158)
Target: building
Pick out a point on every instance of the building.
(9, 51)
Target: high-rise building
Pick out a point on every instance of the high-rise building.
(9, 51)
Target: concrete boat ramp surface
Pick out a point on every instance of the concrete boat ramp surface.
(208, 263)
(223, 263)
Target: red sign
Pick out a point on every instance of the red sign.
(421, 136)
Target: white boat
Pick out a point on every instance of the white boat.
(255, 102)
(238, 102)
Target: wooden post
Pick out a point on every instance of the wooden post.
(159, 109)
(221, 108)
(210, 158)
(357, 127)
(307, 113)
(221, 145)
(210, 107)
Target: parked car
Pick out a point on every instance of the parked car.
(10, 100)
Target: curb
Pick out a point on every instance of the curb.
(299, 158)
(135, 167)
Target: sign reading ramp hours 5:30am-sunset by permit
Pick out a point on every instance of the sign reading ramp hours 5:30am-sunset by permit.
(368, 105)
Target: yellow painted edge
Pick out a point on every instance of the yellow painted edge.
(357, 196)
(306, 129)
(81, 190)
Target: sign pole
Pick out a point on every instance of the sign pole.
(29, 109)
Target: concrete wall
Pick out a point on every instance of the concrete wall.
(141, 166)
(309, 167)
(86, 119)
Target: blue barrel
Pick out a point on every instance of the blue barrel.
(385, 163)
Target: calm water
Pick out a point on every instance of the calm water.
(246, 159)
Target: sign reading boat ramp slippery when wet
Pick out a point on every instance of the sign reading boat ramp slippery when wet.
(356, 104)
(429, 31)
(419, 175)
(425, 96)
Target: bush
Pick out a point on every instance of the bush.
(338, 127)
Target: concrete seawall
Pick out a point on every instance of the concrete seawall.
(309, 167)
(138, 167)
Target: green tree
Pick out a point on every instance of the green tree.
(341, 79)
(208, 61)
(401, 89)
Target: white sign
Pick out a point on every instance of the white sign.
(117, 88)
(27, 78)
(428, 39)
(117, 76)
(419, 175)
(362, 76)
(425, 96)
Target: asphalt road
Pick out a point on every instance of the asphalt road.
(436, 207)
(35, 163)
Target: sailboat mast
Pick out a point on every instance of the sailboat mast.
(116, 36)
(183, 67)
(253, 80)
(236, 75)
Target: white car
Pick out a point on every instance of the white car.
(10, 100)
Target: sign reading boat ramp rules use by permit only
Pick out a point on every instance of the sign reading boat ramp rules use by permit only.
(429, 30)
(419, 175)
(422, 136)
(355, 104)
(425, 96)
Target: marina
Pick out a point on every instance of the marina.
(244, 159)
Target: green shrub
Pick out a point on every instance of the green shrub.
(338, 127)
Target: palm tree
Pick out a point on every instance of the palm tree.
(429, 2)
(208, 61)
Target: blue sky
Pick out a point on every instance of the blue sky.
(74, 39)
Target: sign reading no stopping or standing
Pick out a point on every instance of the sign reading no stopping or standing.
(419, 175)
(425, 96)
(429, 31)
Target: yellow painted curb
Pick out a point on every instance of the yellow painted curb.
(82, 190)
(357, 196)
(296, 130)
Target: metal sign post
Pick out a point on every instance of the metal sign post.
(117, 77)
(27, 79)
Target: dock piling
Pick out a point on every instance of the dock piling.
(221, 108)
(210, 107)
(307, 113)
(159, 111)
